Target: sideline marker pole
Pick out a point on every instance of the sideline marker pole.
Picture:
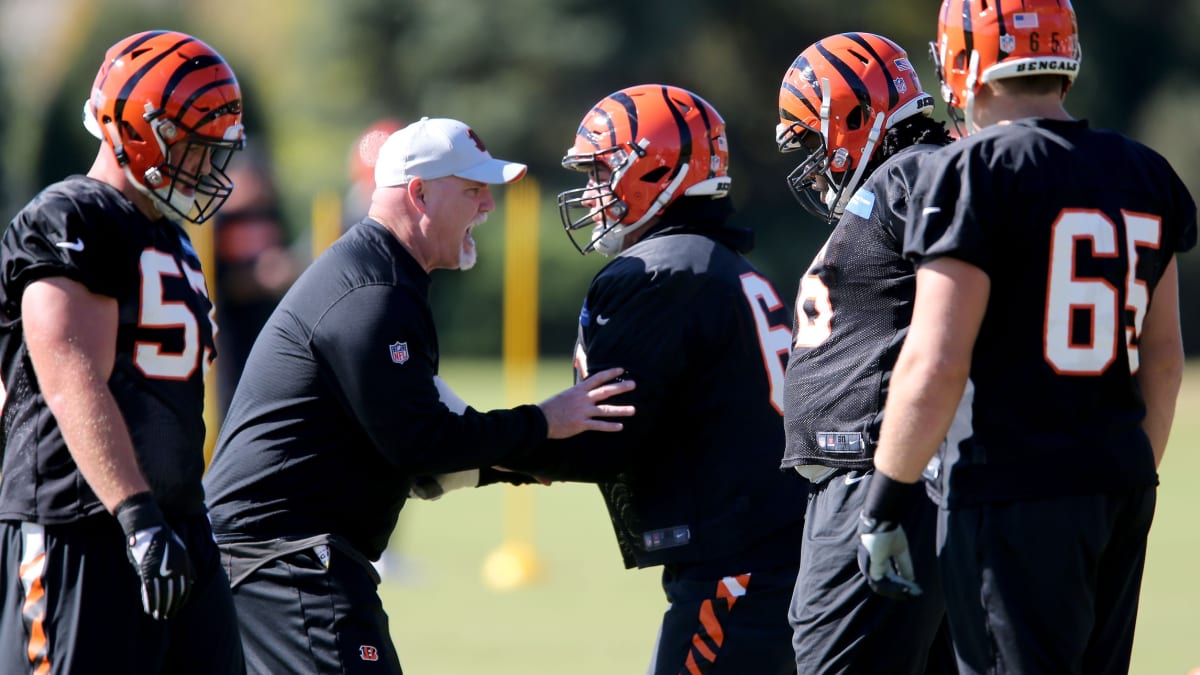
(515, 563)
(204, 241)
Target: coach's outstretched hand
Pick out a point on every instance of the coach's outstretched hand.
(157, 554)
(576, 410)
(884, 558)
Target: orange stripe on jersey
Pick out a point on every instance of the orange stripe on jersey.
(691, 667)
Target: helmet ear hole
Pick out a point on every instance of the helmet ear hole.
(854, 119)
(960, 61)
(130, 132)
(655, 175)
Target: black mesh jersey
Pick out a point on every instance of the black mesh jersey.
(337, 410)
(1074, 227)
(87, 231)
(694, 476)
(852, 314)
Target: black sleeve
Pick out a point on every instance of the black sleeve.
(378, 348)
(954, 208)
(634, 321)
(898, 184)
(58, 237)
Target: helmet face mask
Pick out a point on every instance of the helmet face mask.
(847, 90)
(170, 109)
(596, 205)
(642, 147)
(193, 181)
(803, 180)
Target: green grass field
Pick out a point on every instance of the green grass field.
(587, 615)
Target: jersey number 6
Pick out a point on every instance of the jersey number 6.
(775, 341)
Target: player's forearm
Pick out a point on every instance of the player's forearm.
(71, 334)
(934, 364)
(920, 408)
(99, 442)
(1160, 381)
(1160, 359)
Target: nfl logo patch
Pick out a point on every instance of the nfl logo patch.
(399, 352)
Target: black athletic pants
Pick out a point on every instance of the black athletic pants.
(309, 609)
(730, 625)
(1045, 586)
(840, 625)
(71, 603)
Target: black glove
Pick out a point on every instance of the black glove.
(157, 554)
(883, 554)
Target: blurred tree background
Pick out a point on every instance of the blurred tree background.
(317, 72)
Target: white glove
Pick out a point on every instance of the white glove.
(433, 487)
(450, 399)
(884, 558)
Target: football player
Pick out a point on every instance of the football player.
(692, 482)
(1047, 280)
(105, 338)
(852, 107)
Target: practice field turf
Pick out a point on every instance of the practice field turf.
(588, 615)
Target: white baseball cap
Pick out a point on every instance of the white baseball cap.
(436, 148)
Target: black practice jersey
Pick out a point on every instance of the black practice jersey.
(87, 231)
(1074, 227)
(852, 314)
(337, 410)
(694, 474)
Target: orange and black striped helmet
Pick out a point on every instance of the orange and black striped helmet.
(836, 101)
(657, 143)
(170, 109)
(981, 41)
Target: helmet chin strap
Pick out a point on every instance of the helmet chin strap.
(972, 79)
(161, 199)
(868, 149)
(608, 243)
(182, 203)
(826, 102)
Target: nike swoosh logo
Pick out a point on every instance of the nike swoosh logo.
(76, 245)
(602, 320)
(163, 570)
(931, 210)
(851, 480)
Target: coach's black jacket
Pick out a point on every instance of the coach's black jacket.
(693, 478)
(338, 411)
